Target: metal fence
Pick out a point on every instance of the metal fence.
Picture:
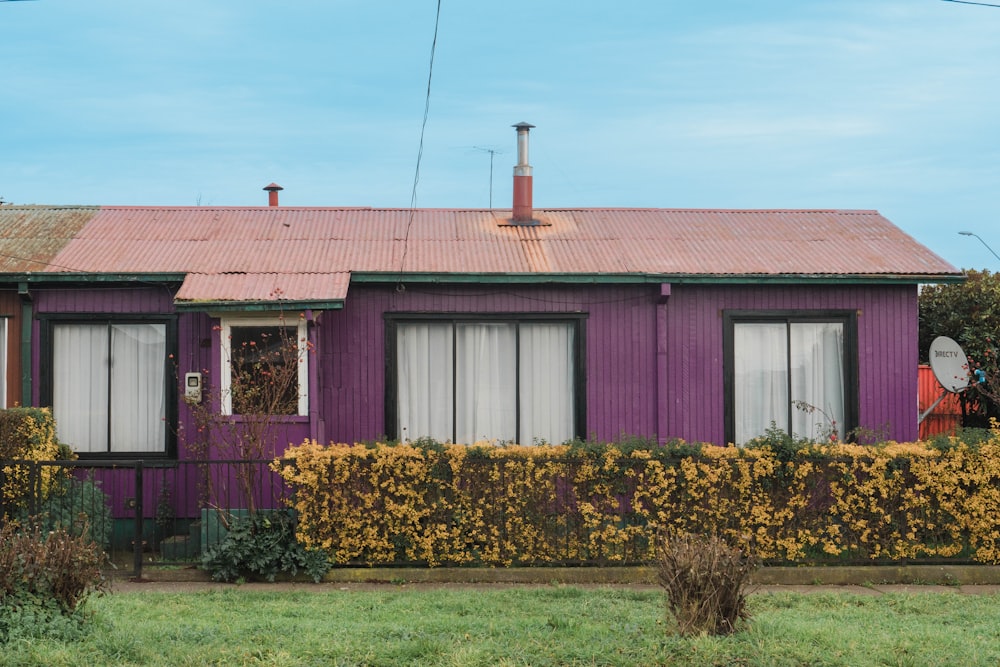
(140, 511)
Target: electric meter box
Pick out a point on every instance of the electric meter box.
(192, 387)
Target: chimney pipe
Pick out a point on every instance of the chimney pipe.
(272, 193)
(522, 177)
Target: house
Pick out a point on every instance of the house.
(522, 325)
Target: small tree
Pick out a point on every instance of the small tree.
(263, 388)
(969, 313)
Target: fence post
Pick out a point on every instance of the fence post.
(137, 540)
(34, 491)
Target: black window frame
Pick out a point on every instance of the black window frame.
(577, 320)
(849, 319)
(46, 324)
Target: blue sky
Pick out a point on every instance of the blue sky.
(870, 104)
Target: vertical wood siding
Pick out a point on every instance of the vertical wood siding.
(887, 352)
(138, 300)
(620, 354)
(654, 365)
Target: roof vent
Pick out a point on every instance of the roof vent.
(522, 177)
(272, 193)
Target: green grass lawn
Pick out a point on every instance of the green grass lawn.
(516, 626)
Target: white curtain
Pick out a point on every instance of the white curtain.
(486, 382)
(760, 366)
(138, 401)
(473, 381)
(817, 368)
(546, 371)
(109, 386)
(425, 388)
(80, 385)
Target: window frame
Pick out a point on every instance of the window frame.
(847, 318)
(225, 350)
(576, 320)
(47, 324)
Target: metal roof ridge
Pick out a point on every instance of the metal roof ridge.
(144, 207)
(494, 211)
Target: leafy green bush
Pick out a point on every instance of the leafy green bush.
(776, 440)
(627, 445)
(261, 546)
(44, 581)
(77, 506)
(964, 437)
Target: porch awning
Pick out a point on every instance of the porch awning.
(256, 291)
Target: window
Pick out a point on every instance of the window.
(109, 386)
(792, 371)
(265, 366)
(511, 380)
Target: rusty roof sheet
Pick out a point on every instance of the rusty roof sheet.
(261, 287)
(31, 236)
(239, 252)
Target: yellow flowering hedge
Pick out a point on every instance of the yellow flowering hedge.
(27, 434)
(533, 505)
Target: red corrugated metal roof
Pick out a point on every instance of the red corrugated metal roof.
(261, 287)
(312, 244)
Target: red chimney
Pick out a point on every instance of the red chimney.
(522, 177)
(272, 193)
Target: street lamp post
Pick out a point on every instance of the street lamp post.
(981, 241)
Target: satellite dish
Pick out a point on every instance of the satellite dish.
(949, 363)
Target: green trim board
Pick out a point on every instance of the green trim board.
(257, 306)
(648, 278)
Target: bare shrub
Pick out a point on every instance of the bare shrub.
(706, 581)
(58, 567)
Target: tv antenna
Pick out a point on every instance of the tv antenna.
(492, 150)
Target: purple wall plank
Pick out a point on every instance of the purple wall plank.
(887, 354)
(621, 349)
(622, 378)
(200, 351)
(109, 300)
(104, 300)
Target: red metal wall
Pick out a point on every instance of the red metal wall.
(947, 416)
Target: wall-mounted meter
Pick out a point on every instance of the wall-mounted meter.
(192, 387)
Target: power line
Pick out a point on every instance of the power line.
(969, 2)
(420, 149)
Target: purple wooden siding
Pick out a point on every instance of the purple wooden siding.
(654, 364)
(140, 300)
(887, 352)
(108, 300)
(626, 356)
(199, 351)
(620, 357)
